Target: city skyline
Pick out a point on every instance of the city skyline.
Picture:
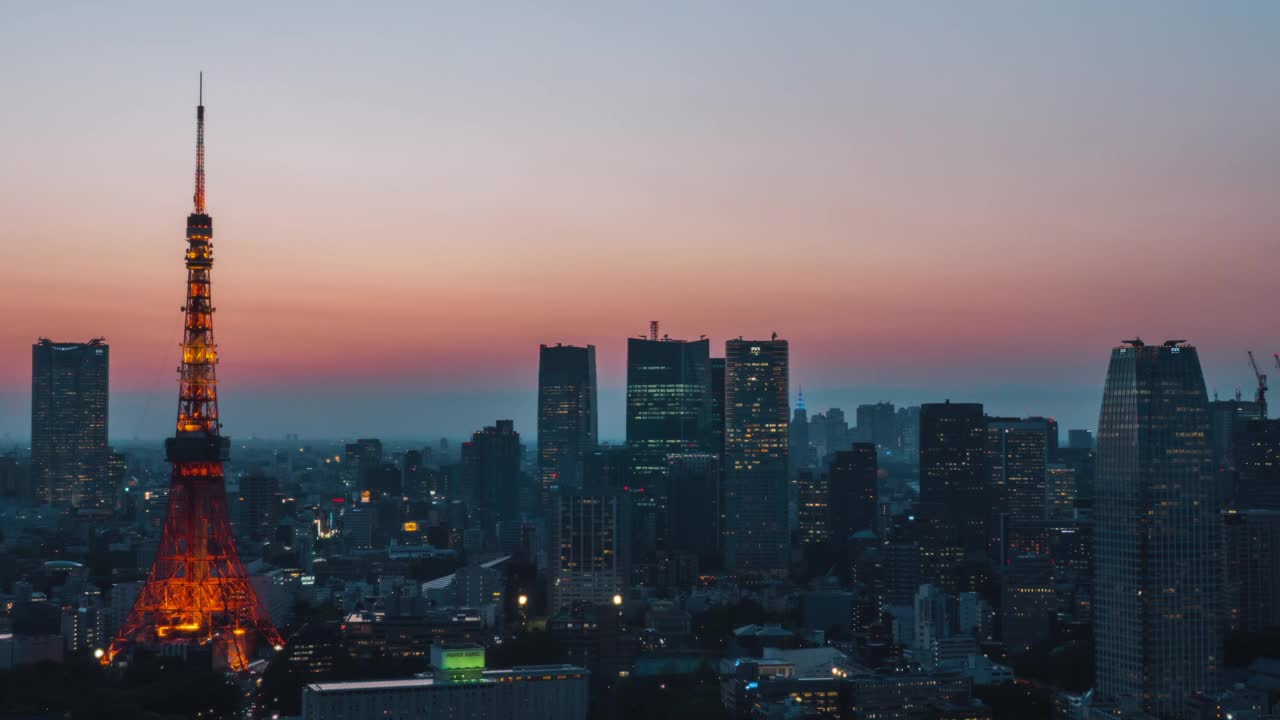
(1084, 188)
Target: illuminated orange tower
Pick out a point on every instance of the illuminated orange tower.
(197, 592)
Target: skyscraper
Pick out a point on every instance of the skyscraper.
(1027, 610)
(1017, 455)
(589, 558)
(1251, 556)
(361, 461)
(756, 447)
(567, 420)
(69, 423)
(878, 424)
(717, 406)
(852, 491)
(669, 410)
(669, 395)
(1157, 555)
(259, 505)
(491, 475)
(953, 487)
(695, 506)
(1257, 465)
(813, 506)
(1227, 419)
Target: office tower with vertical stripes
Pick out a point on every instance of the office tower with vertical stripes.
(757, 444)
(1158, 560)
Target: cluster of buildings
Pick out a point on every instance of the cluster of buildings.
(900, 565)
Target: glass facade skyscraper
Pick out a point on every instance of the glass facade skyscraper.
(669, 398)
(670, 405)
(568, 425)
(69, 423)
(757, 441)
(1158, 562)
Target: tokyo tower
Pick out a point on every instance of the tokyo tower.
(197, 592)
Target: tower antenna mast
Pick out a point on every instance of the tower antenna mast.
(199, 196)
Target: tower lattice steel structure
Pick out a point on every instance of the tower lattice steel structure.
(197, 592)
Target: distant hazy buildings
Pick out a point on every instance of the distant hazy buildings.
(69, 423)
(1158, 562)
(361, 460)
(877, 424)
(568, 423)
(757, 439)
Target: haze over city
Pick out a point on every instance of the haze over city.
(973, 202)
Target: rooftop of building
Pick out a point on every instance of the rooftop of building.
(428, 682)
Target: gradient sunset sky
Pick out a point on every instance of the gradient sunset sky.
(929, 200)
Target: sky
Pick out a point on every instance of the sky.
(929, 200)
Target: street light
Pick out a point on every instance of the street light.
(522, 600)
(617, 600)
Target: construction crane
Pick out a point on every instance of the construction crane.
(1261, 397)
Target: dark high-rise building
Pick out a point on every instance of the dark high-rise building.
(669, 410)
(717, 406)
(414, 476)
(953, 480)
(818, 434)
(669, 395)
(1029, 603)
(1080, 439)
(813, 506)
(1251, 550)
(1017, 456)
(1257, 465)
(589, 553)
(259, 505)
(1227, 419)
(756, 447)
(362, 460)
(1083, 464)
(567, 419)
(15, 478)
(908, 435)
(878, 424)
(491, 474)
(69, 423)
(1157, 557)
(852, 491)
(837, 431)
(1060, 487)
(695, 506)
